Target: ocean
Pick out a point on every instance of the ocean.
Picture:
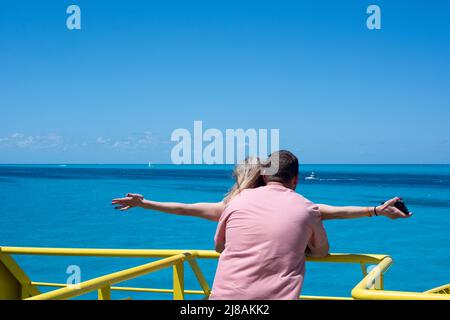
(70, 206)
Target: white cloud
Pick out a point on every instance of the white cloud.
(101, 140)
(134, 141)
(17, 135)
(137, 140)
(21, 140)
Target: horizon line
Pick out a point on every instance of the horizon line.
(204, 164)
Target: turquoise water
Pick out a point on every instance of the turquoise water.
(69, 206)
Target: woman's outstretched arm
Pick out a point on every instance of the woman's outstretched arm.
(347, 212)
(205, 210)
(387, 209)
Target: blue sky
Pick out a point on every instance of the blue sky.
(114, 91)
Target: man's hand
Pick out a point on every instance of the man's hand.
(130, 201)
(389, 210)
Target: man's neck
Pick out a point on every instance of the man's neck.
(276, 183)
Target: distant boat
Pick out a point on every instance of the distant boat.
(149, 164)
(312, 176)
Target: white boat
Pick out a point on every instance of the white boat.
(312, 176)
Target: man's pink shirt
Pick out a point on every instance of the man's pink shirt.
(266, 232)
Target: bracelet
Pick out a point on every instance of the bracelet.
(375, 210)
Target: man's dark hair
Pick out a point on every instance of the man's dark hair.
(287, 164)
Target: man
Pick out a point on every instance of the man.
(264, 235)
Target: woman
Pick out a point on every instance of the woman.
(248, 175)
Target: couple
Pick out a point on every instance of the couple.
(265, 229)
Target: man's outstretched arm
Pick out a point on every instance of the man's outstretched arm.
(387, 209)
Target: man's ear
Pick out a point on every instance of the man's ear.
(295, 182)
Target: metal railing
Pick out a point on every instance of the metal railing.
(370, 287)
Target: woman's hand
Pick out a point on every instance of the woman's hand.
(389, 210)
(130, 201)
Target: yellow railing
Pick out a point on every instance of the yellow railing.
(14, 283)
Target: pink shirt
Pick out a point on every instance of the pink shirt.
(266, 231)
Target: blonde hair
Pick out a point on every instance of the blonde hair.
(247, 176)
